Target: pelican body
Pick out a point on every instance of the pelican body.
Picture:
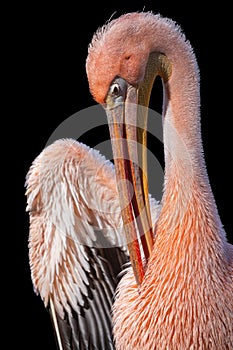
(176, 290)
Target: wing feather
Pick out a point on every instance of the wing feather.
(76, 249)
(76, 246)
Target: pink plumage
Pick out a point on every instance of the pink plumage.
(185, 299)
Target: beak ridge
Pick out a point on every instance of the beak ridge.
(129, 153)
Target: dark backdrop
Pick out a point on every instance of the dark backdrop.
(49, 49)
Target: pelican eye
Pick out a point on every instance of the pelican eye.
(117, 90)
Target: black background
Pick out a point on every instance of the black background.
(47, 78)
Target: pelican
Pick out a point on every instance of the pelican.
(116, 269)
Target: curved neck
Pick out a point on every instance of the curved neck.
(181, 112)
(186, 188)
(181, 124)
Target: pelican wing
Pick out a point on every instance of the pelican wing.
(76, 247)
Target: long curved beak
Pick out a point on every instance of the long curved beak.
(127, 124)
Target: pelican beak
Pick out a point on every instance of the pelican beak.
(127, 124)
